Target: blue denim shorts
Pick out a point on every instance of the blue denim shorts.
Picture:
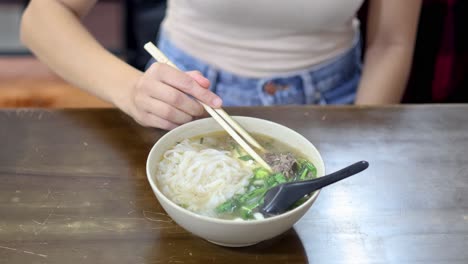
(331, 82)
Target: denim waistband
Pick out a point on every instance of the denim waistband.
(314, 82)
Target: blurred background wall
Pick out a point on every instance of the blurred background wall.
(439, 72)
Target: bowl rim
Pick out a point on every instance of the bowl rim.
(160, 195)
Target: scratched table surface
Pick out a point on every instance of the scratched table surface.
(73, 189)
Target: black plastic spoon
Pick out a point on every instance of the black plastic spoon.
(281, 197)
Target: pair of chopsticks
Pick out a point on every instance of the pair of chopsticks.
(226, 122)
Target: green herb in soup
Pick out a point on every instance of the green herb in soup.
(213, 176)
(247, 205)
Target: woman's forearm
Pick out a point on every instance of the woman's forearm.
(385, 74)
(157, 98)
(390, 38)
(56, 36)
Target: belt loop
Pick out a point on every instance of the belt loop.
(309, 88)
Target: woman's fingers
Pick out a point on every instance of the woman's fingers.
(184, 83)
(176, 98)
(162, 110)
(151, 120)
(161, 98)
(199, 78)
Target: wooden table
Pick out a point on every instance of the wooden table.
(74, 190)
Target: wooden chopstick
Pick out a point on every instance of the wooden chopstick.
(226, 122)
(239, 129)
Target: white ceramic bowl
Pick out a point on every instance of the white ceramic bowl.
(228, 232)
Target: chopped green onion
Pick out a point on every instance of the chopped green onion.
(298, 174)
(279, 177)
(246, 212)
(270, 182)
(227, 207)
(311, 168)
(236, 147)
(261, 173)
(257, 193)
(246, 157)
(304, 174)
(258, 182)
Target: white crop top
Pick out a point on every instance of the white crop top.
(260, 38)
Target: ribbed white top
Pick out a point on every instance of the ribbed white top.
(259, 38)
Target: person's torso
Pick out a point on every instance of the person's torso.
(260, 38)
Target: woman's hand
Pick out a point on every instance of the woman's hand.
(157, 98)
(160, 97)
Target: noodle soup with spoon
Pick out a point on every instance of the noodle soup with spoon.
(212, 175)
(222, 229)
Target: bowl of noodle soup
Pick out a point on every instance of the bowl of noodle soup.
(200, 178)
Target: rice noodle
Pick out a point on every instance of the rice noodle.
(200, 178)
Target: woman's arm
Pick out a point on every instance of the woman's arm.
(391, 33)
(53, 31)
